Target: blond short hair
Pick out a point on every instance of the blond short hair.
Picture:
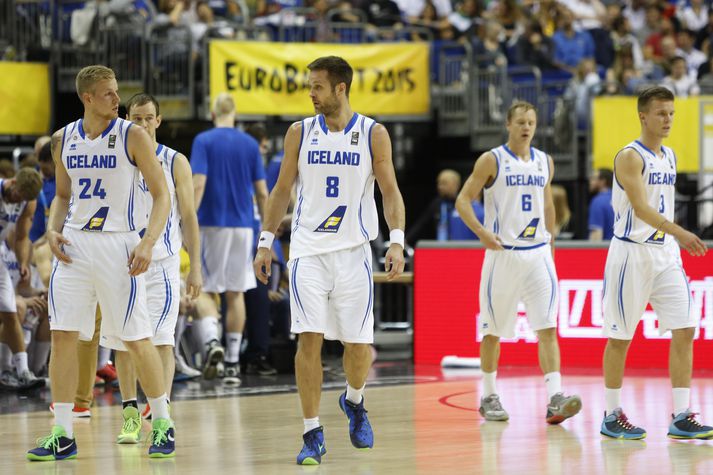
(223, 105)
(524, 105)
(90, 75)
(29, 183)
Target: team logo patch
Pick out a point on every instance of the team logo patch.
(332, 223)
(112, 141)
(73, 147)
(355, 138)
(96, 222)
(657, 237)
(315, 141)
(530, 230)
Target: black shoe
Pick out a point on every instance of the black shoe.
(214, 356)
(260, 367)
(231, 374)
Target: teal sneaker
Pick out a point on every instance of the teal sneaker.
(313, 448)
(685, 426)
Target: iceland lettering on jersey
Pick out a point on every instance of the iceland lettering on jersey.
(525, 180)
(659, 178)
(96, 161)
(324, 157)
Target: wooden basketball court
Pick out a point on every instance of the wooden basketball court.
(430, 426)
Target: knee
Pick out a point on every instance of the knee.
(618, 345)
(683, 335)
(547, 335)
(309, 345)
(137, 345)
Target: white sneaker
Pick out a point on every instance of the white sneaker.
(9, 380)
(28, 380)
(184, 368)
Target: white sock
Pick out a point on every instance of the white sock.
(233, 354)
(103, 357)
(19, 361)
(681, 400)
(355, 395)
(63, 417)
(5, 357)
(553, 383)
(40, 356)
(489, 384)
(311, 424)
(613, 399)
(159, 407)
(206, 330)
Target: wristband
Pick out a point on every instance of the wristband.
(266, 238)
(396, 236)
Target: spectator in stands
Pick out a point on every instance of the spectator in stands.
(448, 185)
(571, 46)
(440, 27)
(546, 15)
(591, 16)
(585, 84)
(601, 213)
(679, 81)
(466, 17)
(694, 58)
(562, 211)
(635, 12)
(535, 48)
(489, 51)
(650, 26)
(654, 46)
(382, 13)
(413, 9)
(622, 37)
(509, 15)
(693, 14)
(703, 35)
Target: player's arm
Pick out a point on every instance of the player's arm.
(550, 214)
(22, 240)
(596, 234)
(189, 222)
(199, 180)
(261, 195)
(277, 202)
(199, 166)
(484, 173)
(60, 203)
(627, 171)
(394, 209)
(142, 151)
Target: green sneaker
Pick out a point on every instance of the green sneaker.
(56, 446)
(163, 444)
(131, 430)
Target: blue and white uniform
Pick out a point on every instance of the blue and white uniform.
(644, 264)
(232, 163)
(524, 271)
(332, 290)
(105, 216)
(9, 213)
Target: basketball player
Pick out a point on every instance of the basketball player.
(518, 265)
(93, 231)
(334, 157)
(17, 206)
(163, 279)
(644, 266)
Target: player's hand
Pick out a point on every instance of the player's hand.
(140, 258)
(491, 241)
(57, 242)
(38, 304)
(394, 261)
(274, 296)
(692, 243)
(24, 271)
(263, 264)
(194, 283)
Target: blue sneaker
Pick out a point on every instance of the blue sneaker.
(313, 448)
(163, 444)
(359, 428)
(685, 426)
(56, 446)
(617, 426)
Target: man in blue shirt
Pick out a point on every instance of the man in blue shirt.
(571, 46)
(458, 230)
(227, 172)
(42, 212)
(601, 213)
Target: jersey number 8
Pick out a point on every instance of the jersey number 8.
(332, 186)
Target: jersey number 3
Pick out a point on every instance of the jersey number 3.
(86, 184)
(332, 186)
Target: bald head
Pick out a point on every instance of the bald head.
(448, 184)
(223, 105)
(40, 142)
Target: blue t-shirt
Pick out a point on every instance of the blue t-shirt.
(231, 161)
(42, 212)
(571, 51)
(273, 170)
(458, 230)
(601, 214)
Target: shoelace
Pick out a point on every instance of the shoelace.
(159, 436)
(359, 416)
(131, 424)
(692, 419)
(495, 404)
(624, 422)
(51, 441)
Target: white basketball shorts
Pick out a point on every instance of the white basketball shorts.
(637, 274)
(99, 272)
(227, 258)
(333, 294)
(512, 276)
(163, 290)
(7, 291)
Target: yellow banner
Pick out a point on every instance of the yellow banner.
(24, 98)
(616, 123)
(271, 78)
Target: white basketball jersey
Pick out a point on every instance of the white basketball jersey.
(105, 181)
(515, 201)
(659, 176)
(9, 212)
(171, 239)
(335, 206)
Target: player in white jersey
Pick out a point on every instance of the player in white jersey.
(93, 231)
(17, 206)
(163, 278)
(518, 265)
(644, 266)
(334, 159)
